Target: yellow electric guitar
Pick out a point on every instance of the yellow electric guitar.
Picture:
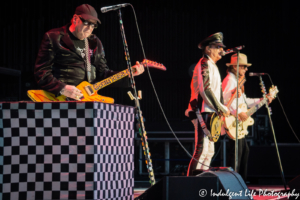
(217, 120)
(230, 122)
(88, 90)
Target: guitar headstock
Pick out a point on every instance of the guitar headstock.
(273, 91)
(153, 64)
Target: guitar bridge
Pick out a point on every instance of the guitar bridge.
(89, 90)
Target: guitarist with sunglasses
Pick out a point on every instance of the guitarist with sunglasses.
(229, 86)
(72, 54)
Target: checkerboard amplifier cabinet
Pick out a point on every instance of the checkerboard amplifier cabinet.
(205, 186)
(66, 150)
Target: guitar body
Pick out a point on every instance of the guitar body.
(216, 123)
(44, 96)
(95, 96)
(230, 124)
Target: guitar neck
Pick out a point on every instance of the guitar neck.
(111, 79)
(256, 107)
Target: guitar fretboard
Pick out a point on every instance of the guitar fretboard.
(256, 107)
(110, 80)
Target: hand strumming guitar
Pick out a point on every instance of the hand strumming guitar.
(243, 116)
(72, 92)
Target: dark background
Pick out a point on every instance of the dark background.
(171, 31)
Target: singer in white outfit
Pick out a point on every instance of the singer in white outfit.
(206, 90)
(229, 86)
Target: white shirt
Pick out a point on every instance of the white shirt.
(228, 85)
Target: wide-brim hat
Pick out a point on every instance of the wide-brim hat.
(87, 12)
(242, 60)
(216, 38)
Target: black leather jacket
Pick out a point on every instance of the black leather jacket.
(58, 64)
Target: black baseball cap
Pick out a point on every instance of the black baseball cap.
(87, 12)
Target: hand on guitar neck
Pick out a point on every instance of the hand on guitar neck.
(270, 98)
(137, 69)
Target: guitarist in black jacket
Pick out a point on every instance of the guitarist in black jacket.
(72, 54)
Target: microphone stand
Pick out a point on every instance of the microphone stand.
(271, 124)
(236, 117)
(142, 130)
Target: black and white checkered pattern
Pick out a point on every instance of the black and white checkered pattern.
(66, 150)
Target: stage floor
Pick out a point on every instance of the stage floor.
(259, 191)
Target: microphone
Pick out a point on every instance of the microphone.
(232, 50)
(257, 74)
(114, 7)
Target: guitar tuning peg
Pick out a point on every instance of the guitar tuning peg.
(130, 95)
(139, 94)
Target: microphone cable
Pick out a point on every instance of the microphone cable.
(284, 112)
(157, 95)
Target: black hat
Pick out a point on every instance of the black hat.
(216, 38)
(87, 12)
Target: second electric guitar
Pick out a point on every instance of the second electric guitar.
(88, 90)
(230, 122)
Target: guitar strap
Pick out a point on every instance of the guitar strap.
(195, 106)
(202, 123)
(87, 57)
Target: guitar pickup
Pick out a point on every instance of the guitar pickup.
(89, 90)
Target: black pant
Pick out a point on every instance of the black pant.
(199, 143)
(243, 154)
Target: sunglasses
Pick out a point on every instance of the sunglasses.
(87, 23)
